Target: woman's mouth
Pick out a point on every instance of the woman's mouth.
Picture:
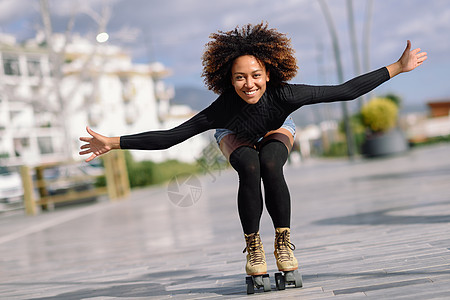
(251, 93)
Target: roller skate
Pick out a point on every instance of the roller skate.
(286, 262)
(256, 266)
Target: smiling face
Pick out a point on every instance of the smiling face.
(249, 78)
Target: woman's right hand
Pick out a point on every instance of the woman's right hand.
(98, 144)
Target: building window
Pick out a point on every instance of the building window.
(13, 114)
(11, 65)
(21, 145)
(34, 67)
(45, 145)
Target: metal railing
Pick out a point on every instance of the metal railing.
(73, 187)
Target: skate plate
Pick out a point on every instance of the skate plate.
(257, 281)
(288, 277)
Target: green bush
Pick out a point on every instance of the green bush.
(145, 173)
(394, 98)
(379, 114)
(433, 140)
(336, 149)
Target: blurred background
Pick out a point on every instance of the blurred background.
(129, 66)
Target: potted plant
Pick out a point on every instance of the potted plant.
(383, 137)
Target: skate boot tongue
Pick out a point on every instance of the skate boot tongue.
(256, 258)
(284, 250)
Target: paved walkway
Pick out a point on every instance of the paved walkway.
(369, 229)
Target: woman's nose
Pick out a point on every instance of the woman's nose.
(249, 83)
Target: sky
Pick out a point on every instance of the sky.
(174, 32)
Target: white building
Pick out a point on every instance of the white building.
(95, 85)
(27, 132)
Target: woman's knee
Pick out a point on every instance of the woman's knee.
(272, 157)
(270, 167)
(245, 161)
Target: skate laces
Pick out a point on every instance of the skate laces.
(254, 249)
(283, 245)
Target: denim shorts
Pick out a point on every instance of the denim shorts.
(222, 132)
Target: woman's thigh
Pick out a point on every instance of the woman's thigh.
(230, 142)
(282, 134)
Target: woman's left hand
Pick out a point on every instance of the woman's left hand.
(411, 59)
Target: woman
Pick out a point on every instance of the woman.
(249, 68)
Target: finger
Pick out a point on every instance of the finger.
(408, 45)
(91, 132)
(85, 146)
(84, 152)
(415, 51)
(90, 158)
(98, 152)
(422, 54)
(85, 139)
(422, 59)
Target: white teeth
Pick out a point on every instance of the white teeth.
(251, 93)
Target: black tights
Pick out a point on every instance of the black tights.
(252, 166)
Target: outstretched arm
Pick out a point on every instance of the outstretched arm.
(409, 60)
(98, 144)
(358, 86)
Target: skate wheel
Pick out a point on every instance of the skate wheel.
(258, 281)
(294, 277)
(250, 285)
(280, 282)
(266, 283)
(298, 283)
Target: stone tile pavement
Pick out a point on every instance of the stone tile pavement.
(368, 229)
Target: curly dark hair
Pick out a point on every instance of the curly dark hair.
(268, 46)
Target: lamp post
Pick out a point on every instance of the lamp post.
(340, 74)
(354, 46)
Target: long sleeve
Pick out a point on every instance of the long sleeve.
(163, 139)
(299, 95)
(229, 111)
